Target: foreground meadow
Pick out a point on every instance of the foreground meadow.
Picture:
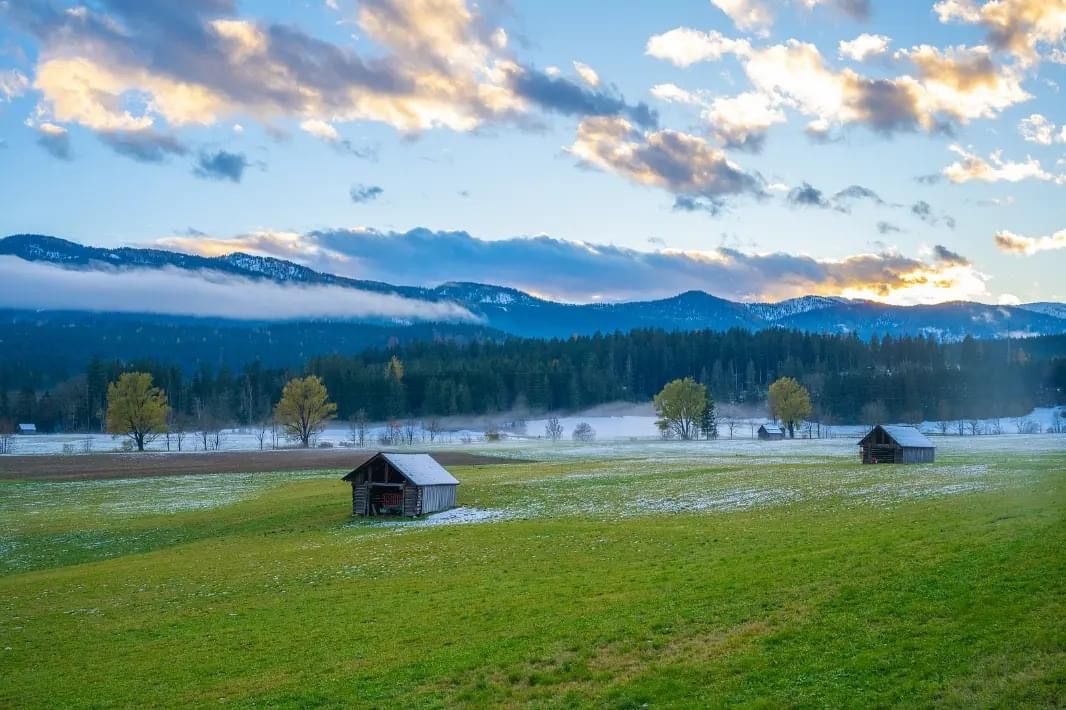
(618, 575)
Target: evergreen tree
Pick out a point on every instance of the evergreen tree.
(709, 420)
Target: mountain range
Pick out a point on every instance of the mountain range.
(504, 310)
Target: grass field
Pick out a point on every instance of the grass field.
(789, 578)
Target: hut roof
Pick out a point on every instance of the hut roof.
(773, 428)
(420, 469)
(906, 436)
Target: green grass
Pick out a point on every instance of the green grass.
(610, 584)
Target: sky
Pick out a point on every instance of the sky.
(907, 151)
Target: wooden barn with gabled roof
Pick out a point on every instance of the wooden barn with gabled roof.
(401, 484)
(771, 432)
(897, 444)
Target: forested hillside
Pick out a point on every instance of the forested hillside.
(905, 379)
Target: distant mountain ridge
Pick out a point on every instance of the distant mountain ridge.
(515, 312)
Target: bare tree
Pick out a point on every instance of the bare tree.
(960, 427)
(209, 431)
(410, 431)
(391, 435)
(433, 428)
(357, 427)
(275, 433)
(553, 429)
(584, 432)
(730, 424)
(177, 429)
(7, 436)
(975, 426)
(995, 426)
(943, 426)
(261, 431)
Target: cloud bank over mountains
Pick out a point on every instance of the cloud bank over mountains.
(584, 272)
(34, 285)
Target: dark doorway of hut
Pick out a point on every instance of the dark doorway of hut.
(882, 454)
(386, 499)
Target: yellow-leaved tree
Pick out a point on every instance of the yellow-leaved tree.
(304, 408)
(136, 408)
(790, 403)
(680, 407)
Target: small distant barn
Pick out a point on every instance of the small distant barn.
(401, 484)
(896, 444)
(771, 432)
(26, 429)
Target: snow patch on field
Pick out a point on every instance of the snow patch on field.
(721, 501)
(455, 516)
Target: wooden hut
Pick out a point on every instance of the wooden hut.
(401, 484)
(771, 432)
(896, 444)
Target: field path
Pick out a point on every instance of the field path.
(127, 465)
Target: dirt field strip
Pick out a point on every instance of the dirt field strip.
(100, 466)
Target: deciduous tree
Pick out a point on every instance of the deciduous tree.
(553, 429)
(680, 406)
(789, 403)
(136, 408)
(304, 408)
(584, 432)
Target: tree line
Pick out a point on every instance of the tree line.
(848, 379)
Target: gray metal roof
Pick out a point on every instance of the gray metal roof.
(908, 437)
(773, 428)
(422, 469)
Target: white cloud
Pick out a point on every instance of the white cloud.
(742, 121)
(864, 46)
(437, 70)
(959, 84)
(758, 15)
(37, 285)
(736, 121)
(684, 47)
(320, 129)
(971, 167)
(1020, 27)
(672, 93)
(1017, 244)
(683, 164)
(499, 38)
(747, 14)
(13, 84)
(1038, 129)
(587, 74)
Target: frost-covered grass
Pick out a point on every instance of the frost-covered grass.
(657, 573)
(462, 433)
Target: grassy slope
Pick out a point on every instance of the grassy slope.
(276, 599)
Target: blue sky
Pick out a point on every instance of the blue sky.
(712, 145)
